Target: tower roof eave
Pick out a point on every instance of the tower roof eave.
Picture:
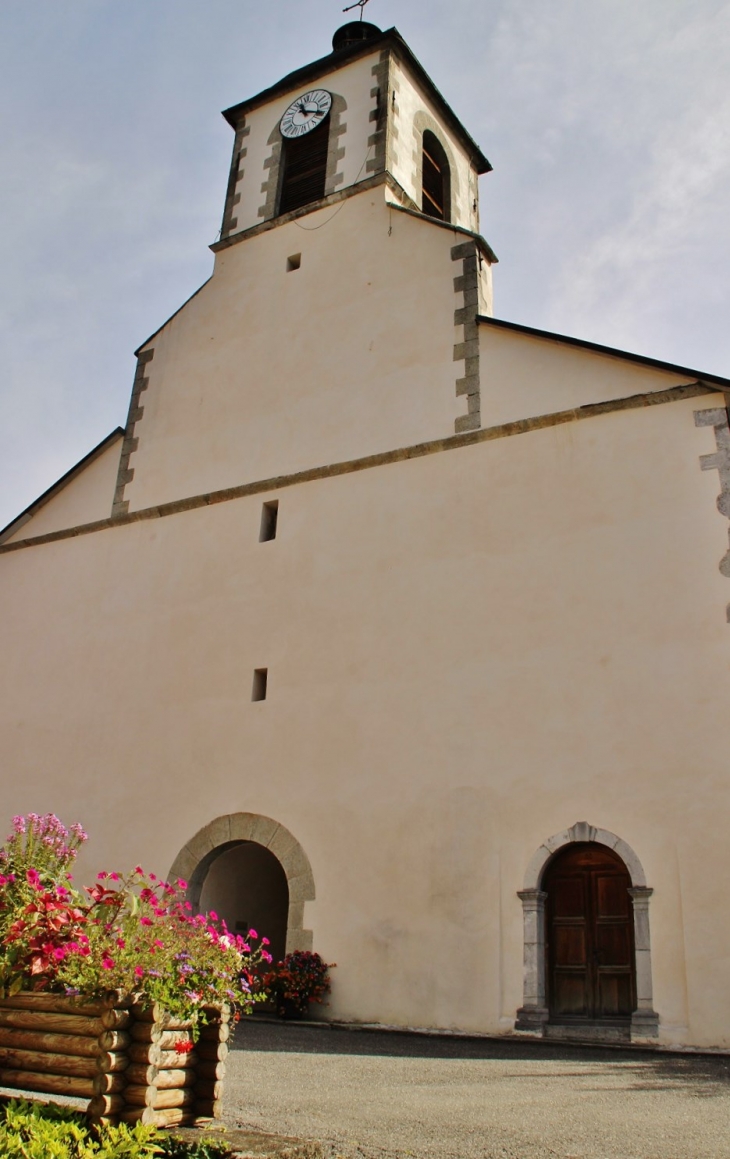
(311, 72)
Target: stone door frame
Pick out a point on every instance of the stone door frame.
(533, 1014)
(196, 857)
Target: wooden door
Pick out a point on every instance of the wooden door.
(589, 935)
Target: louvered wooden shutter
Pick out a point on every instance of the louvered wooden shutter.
(433, 186)
(305, 168)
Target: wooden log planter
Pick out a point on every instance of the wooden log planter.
(118, 1054)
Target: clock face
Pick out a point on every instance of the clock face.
(305, 113)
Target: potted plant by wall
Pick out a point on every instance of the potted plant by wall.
(297, 981)
(120, 994)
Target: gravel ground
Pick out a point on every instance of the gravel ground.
(377, 1095)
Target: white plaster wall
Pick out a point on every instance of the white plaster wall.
(467, 653)
(86, 498)
(266, 372)
(353, 82)
(412, 99)
(523, 376)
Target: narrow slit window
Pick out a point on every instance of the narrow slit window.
(293, 262)
(260, 681)
(436, 199)
(269, 520)
(304, 168)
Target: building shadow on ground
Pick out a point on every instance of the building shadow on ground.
(706, 1075)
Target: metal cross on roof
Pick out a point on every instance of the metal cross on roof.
(358, 4)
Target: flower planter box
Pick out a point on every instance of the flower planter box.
(116, 1053)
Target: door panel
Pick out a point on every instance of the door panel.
(589, 935)
(612, 898)
(570, 901)
(570, 946)
(571, 998)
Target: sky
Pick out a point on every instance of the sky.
(607, 123)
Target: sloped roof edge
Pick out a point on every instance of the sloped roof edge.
(33, 508)
(343, 56)
(613, 351)
(174, 314)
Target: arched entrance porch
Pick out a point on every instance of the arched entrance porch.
(247, 887)
(256, 844)
(563, 974)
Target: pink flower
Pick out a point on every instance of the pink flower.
(145, 921)
(182, 884)
(265, 942)
(114, 876)
(121, 943)
(153, 877)
(213, 916)
(102, 876)
(159, 943)
(138, 869)
(252, 934)
(60, 952)
(31, 876)
(138, 972)
(107, 963)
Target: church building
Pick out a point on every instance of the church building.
(398, 630)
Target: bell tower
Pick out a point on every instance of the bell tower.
(342, 316)
(365, 114)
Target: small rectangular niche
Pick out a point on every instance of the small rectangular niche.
(260, 680)
(293, 262)
(269, 519)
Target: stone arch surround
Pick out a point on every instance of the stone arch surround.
(195, 858)
(533, 1014)
(422, 121)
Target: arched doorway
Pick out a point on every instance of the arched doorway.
(589, 937)
(229, 834)
(247, 887)
(542, 1005)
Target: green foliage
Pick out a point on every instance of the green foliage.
(33, 1131)
(176, 1148)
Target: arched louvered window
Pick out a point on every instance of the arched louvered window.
(436, 199)
(304, 168)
